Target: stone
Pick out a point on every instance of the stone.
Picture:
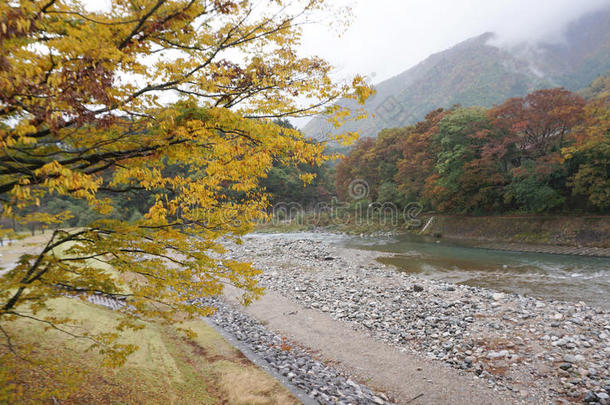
(449, 323)
(590, 397)
(496, 355)
(313, 377)
(570, 358)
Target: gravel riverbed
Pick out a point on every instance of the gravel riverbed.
(537, 351)
(320, 381)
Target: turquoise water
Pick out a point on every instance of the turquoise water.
(548, 276)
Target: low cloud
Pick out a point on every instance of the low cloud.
(540, 20)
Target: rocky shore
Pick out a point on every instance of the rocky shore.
(321, 382)
(534, 351)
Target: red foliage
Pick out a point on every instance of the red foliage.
(539, 121)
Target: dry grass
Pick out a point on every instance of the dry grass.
(254, 386)
(168, 368)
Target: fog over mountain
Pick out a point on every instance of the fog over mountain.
(387, 37)
(488, 68)
(541, 21)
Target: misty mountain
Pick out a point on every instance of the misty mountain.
(478, 72)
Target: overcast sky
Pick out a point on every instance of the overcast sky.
(389, 36)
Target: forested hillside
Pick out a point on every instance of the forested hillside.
(283, 183)
(546, 152)
(476, 72)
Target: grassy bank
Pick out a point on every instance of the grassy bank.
(342, 223)
(168, 368)
(585, 231)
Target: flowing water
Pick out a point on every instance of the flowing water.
(547, 276)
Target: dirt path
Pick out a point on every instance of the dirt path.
(380, 366)
(10, 253)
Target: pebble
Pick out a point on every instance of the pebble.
(318, 380)
(466, 327)
(497, 355)
(590, 397)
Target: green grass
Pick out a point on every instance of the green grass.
(309, 223)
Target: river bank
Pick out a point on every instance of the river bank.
(529, 350)
(587, 235)
(580, 236)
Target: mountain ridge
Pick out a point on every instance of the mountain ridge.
(476, 72)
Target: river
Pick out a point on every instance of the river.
(546, 276)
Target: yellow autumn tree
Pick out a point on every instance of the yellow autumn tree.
(98, 103)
